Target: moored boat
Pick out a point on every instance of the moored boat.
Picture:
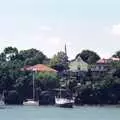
(64, 99)
(64, 102)
(31, 102)
(2, 103)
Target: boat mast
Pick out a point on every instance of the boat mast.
(2, 96)
(33, 85)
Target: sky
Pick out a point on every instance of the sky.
(48, 25)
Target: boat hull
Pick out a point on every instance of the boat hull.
(31, 103)
(65, 105)
(63, 102)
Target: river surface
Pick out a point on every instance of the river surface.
(55, 113)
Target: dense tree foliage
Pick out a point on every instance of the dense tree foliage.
(59, 61)
(117, 54)
(11, 76)
(106, 90)
(10, 52)
(89, 56)
(47, 80)
(31, 57)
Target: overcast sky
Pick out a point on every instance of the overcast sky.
(48, 24)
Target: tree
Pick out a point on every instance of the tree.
(117, 73)
(115, 64)
(117, 54)
(2, 57)
(9, 72)
(10, 69)
(48, 80)
(31, 57)
(59, 61)
(24, 85)
(89, 56)
(10, 52)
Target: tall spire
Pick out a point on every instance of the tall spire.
(65, 49)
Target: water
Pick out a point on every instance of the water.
(54, 113)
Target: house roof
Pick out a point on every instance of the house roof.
(115, 59)
(103, 61)
(39, 68)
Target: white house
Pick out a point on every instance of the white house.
(78, 64)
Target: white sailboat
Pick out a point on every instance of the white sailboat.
(32, 102)
(2, 100)
(64, 102)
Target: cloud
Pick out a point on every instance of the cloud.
(54, 40)
(45, 28)
(116, 29)
(55, 44)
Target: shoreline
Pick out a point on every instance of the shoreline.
(111, 106)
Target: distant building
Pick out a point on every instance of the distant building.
(78, 65)
(104, 65)
(115, 59)
(101, 65)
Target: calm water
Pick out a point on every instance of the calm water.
(54, 113)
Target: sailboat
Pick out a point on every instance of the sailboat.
(64, 102)
(2, 104)
(32, 102)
